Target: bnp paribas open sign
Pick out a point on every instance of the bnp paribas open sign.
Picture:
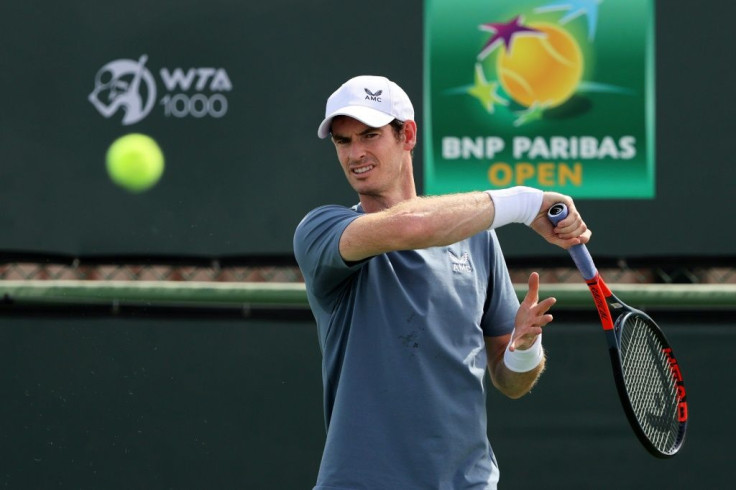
(555, 95)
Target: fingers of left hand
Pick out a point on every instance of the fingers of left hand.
(544, 306)
(537, 322)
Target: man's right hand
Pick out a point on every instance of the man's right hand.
(570, 231)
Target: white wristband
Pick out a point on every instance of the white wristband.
(515, 205)
(522, 361)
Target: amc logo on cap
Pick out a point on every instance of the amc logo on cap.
(376, 97)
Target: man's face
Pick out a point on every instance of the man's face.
(372, 158)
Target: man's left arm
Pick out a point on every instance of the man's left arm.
(516, 360)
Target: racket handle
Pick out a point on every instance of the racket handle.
(579, 253)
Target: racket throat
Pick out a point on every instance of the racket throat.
(601, 298)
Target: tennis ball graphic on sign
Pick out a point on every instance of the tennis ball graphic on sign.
(135, 162)
(544, 69)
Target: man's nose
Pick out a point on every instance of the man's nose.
(357, 151)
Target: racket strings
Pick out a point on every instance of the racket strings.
(649, 382)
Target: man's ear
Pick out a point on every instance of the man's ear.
(410, 134)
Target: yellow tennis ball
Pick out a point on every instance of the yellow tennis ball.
(135, 162)
(545, 69)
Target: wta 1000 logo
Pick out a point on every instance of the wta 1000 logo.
(128, 86)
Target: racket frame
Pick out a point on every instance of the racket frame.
(613, 313)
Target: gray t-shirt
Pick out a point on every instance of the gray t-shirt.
(404, 357)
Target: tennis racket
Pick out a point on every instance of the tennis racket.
(648, 377)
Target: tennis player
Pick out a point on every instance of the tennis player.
(413, 304)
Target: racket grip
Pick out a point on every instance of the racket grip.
(579, 253)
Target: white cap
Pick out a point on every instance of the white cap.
(374, 101)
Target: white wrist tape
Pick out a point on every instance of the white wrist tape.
(515, 205)
(522, 361)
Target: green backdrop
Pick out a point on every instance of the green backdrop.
(240, 88)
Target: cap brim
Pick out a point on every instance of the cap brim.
(366, 115)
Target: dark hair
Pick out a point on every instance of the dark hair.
(398, 127)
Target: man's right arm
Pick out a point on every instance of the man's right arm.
(417, 223)
(424, 222)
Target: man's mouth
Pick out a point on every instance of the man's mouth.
(362, 170)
